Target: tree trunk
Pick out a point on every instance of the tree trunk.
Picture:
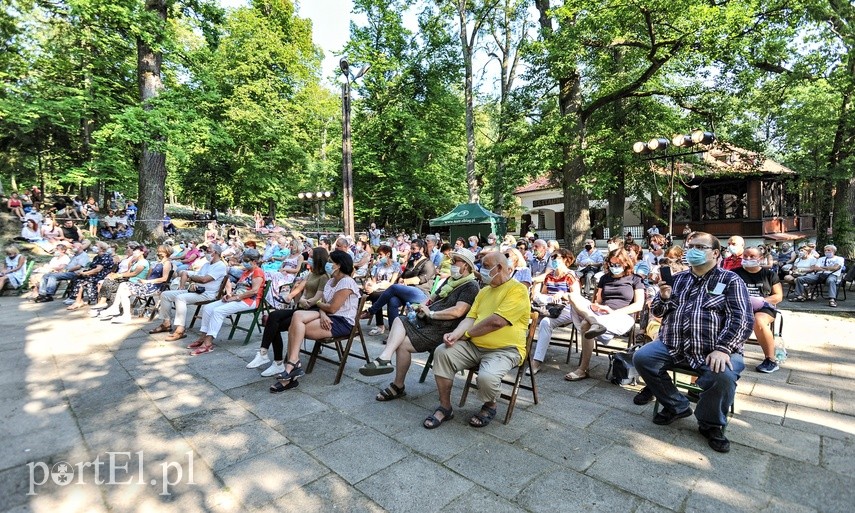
(467, 47)
(577, 216)
(152, 179)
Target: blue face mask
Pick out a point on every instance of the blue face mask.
(382, 260)
(309, 262)
(247, 265)
(485, 275)
(553, 264)
(329, 268)
(616, 269)
(696, 257)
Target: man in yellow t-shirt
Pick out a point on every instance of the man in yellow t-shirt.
(492, 336)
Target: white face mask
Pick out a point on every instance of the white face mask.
(732, 248)
(455, 272)
(750, 263)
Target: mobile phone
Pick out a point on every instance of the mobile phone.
(665, 275)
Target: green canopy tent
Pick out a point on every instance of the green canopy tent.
(471, 219)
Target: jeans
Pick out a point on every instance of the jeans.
(652, 362)
(396, 296)
(50, 282)
(810, 279)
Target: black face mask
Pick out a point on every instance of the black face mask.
(588, 247)
(415, 255)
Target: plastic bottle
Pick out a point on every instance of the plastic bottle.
(411, 313)
(780, 350)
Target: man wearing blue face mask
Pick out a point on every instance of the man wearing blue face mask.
(706, 318)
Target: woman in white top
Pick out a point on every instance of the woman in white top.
(14, 268)
(334, 317)
(802, 265)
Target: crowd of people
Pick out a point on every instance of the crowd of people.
(468, 301)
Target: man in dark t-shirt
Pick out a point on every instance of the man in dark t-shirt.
(765, 291)
(70, 232)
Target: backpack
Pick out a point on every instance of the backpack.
(621, 369)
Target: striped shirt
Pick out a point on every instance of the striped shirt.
(704, 314)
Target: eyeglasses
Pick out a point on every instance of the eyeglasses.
(698, 246)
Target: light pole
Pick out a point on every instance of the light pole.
(655, 145)
(318, 198)
(346, 148)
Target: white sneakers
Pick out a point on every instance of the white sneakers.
(274, 369)
(258, 361)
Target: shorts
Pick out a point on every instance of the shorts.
(93, 221)
(341, 326)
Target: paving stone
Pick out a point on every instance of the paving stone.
(360, 454)
(788, 482)
(780, 440)
(266, 477)
(437, 444)
(811, 397)
(329, 493)
(479, 499)
(284, 407)
(495, 466)
(428, 486)
(829, 424)
(709, 496)
(653, 473)
(391, 417)
(312, 431)
(576, 450)
(569, 410)
(838, 455)
(574, 492)
(222, 448)
(844, 403)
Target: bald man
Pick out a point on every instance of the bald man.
(492, 336)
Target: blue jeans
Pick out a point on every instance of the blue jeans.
(50, 282)
(812, 279)
(652, 361)
(397, 296)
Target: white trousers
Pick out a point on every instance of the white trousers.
(180, 299)
(213, 314)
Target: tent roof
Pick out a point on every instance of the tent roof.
(466, 213)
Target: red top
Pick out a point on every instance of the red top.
(14, 203)
(246, 278)
(732, 262)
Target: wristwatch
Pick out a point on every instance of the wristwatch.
(430, 313)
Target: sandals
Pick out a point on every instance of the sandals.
(202, 350)
(483, 417)
(376, 367)
(160, 329)
(75, 306)
(392, 392)
(379, 330)
(195, 344)
(572, 376)
(447, 414)
(279, 387)
(296, 371)
(177, 335)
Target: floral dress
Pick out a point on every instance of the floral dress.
(147, 289)
(90, 283)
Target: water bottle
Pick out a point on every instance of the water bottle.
(411, 313)
(780, 350)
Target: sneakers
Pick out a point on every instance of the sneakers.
(767, 367)
(667, 416)
(832, 303)
(258, 361)
(716, 439)
(274, 369)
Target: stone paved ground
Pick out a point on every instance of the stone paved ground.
(74, 389)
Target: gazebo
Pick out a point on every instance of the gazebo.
(469, 219)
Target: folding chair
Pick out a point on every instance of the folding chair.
(152, 301)
(199, 305)
(682, 369)
(342, 350)
(260, 308)
(817, 290)
(516, 383)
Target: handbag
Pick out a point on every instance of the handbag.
(554, 309)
